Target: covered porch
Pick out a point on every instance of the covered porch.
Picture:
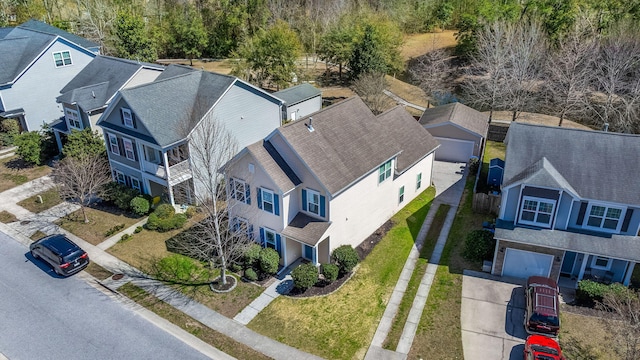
(580, 266)
(305, 238)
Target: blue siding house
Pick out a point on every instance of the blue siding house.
(38, 60)
(570, 205)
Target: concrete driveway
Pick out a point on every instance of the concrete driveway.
(449, 181)
(492, 313)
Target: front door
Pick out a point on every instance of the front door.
(567, 264)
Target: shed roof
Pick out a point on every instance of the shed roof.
(297, 94)
(458, 114)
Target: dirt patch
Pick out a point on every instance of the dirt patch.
(363, 250)
(419, 44)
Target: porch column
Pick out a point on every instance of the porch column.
(627, 278)
(58, 140)
(583, 266)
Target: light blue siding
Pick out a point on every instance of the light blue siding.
(564, 208)
(511, 203)
(304, 108)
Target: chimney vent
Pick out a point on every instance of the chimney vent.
(310, 125)
(93, 93)
(605, 128)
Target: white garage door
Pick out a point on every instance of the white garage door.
(454, 150)
(522, 264)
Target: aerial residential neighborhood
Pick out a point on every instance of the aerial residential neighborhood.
(319, 180)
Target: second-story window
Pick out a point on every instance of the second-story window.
(62, 58)
(313, 202)
(418, 181)
(401, 195)
(127, 118)
(604, 217)
(129, 149)
(384, 172)
(536, 211)
(240, 190)
(113, 144)
(72, 118)
(268, 201)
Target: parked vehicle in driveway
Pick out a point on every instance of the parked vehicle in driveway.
(63, 255)
(542, 312)
(540, 347)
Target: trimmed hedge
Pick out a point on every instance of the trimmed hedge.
(479, 245)
(251, 255)
(250, 274)
(269, 260)
(346, 258)
(139, 205)
(118, 194)
(330, 272)
(165, 219)
(590, 292)
(305, 276)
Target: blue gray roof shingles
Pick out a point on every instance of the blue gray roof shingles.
(170, 108)
(596, 165)
(46, 28)
(19, 49)
(99, 81)
(297, 94)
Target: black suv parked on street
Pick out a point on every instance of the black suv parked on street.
(63, 255)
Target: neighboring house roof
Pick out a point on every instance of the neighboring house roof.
(596, 165)
(348, 142)
(170, 108)
(174, 70)
(458, 114)
(46, 28)
(99, 81)
(4, 31)
(274, 165)
(19, 49)
(297, 94)
(306, 229)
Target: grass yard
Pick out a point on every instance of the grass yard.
(421, 267)
(14, 172)
(7, 217)
(341, 325)
(98, 271)
(50, 198)
(439, 335)
(37, 235)
(204, 333)
(415, 45)
(585, 337)
(492, 150)
(100, 221)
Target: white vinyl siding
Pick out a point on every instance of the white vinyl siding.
(384, 172)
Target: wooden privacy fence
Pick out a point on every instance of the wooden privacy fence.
(486, 203)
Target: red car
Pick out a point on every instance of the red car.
(540, 347)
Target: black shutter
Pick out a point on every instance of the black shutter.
(583, 209)
(627, 220)
(135, 150)
(133, 120)
(121, 116)
(121, 147)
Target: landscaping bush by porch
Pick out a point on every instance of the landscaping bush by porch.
(479, 245)
(305, 276)
(345, 257)
(165, 219)
(589, 293)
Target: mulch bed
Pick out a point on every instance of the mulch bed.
(363, 250)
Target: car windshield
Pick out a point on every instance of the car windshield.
(544, 349)
(546, 319)
(73, 256)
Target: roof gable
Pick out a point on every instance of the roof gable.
(40, 26)
(458, 114)
(597, 165)
(274, 165)
(297, 94)
(19, 50)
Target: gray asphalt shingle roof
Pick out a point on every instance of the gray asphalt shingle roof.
(46, 28)
(298, 93)
(170, 108)
(597, 165)
(274, 165)
(459, 114)
(306, 229)
(19, 48)
(348, 142)
(99, 81)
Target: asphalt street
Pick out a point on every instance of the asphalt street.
(44, 316)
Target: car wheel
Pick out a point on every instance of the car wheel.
(35, 256)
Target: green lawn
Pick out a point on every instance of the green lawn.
(14, 172)
(493, 149)
(421, 267)
(341, 325)
(100, 221)
(7, 217)
(50, 198)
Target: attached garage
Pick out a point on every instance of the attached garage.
(522, 264)
(454, 150)
(460, 130)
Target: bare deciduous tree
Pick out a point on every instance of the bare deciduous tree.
(370, 87)
(624, 324)
(95, 20)
(80, 179)
(432, 70)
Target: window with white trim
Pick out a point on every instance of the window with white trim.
(73, 119)
(537, 211)
(240, 225)
(120, 177)
(384, 172)
(113, 144)
(267, 200)
(135, 184)
(401, 195)
(62, 58)
(603, 217)
(601, 263)
(313, 202)
(128, 149)
(419, 181)
(270, 238)
(239, 190)
(127, 118)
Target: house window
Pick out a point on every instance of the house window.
(537, 211)
(62, 58)
(604, 217)
(419, 181)
(313, 202)
(384, 172)
(127, 118)
(270, 239)
(240, 190)
(241, 226)
(120, 178)
(601, 263)
(401, 195)
(72, 118)
(135, 184)
(128, 149)
(113, 144)
(267, 200)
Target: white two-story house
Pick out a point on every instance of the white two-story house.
(570, 205)
(146, 128)
(329, 179)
